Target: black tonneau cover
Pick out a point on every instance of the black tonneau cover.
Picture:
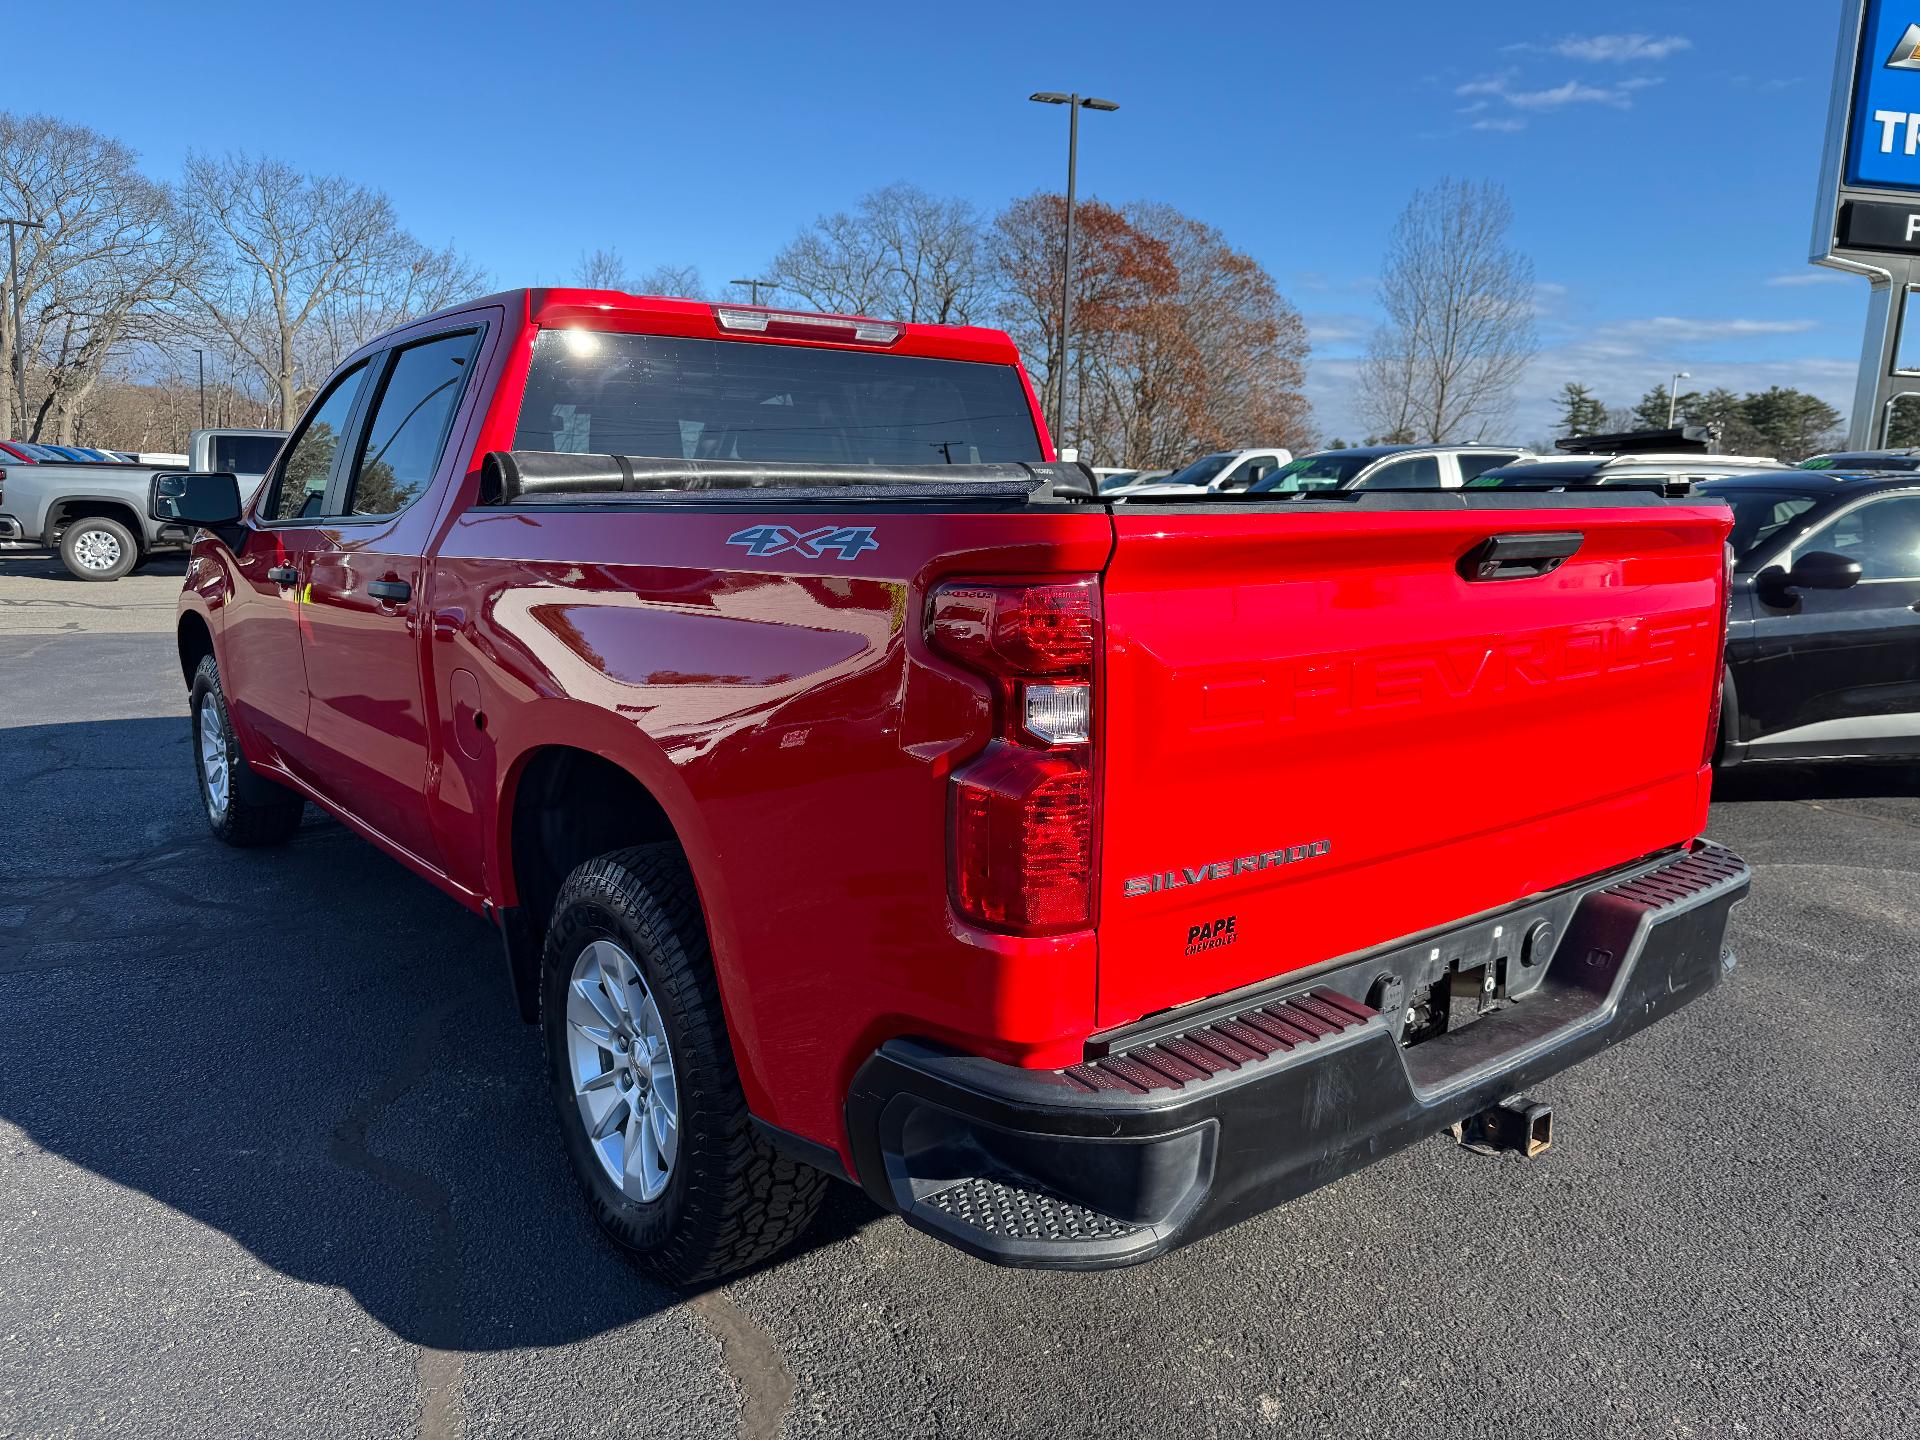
(522, 476)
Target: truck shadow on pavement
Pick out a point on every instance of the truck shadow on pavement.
(306, 1049)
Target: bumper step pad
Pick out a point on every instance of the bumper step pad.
(1006, 1210)
(1208, 1050)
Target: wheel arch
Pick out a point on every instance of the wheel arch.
(193, 636)
(70, 508)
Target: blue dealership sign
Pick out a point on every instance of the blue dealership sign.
(1883, 150)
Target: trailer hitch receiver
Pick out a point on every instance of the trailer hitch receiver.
(1517, 1123)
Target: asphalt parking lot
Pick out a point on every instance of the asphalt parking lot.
(275, 1158)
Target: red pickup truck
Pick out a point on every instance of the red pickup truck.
(858, 794)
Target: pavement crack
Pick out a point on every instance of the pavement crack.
(438, 1363)
(753, 1360)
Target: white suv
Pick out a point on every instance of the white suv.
(1389, 467)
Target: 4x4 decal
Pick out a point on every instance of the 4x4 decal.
(846, 542)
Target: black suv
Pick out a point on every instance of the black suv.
(1823, 652)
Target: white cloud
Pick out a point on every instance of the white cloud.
(1670, 328)
(1326, 327)
(1553, 97)
(1504, 125)
(1812, 275)
(1616, 49)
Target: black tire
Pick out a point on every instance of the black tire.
(85, 544)
(257, 811)
(730, 1201)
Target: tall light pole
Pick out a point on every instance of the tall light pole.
(754, 287)
(201, 357)
(14, 227)
(1075, 102)
(1673, 395)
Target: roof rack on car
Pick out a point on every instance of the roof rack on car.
(1680, 440)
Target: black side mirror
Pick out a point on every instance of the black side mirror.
(1824, 570)
(210, 499)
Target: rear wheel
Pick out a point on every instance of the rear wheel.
(650, 1106)
(242, 809)
(97, 548)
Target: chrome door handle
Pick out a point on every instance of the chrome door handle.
(394, 592)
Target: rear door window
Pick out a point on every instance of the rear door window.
(596, 392)
(1474, 466)
(410, 418)
(1420, 472)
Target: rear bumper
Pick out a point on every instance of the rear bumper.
(10, 528)
(1223, 1111)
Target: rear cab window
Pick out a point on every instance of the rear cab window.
(245, 454)
(675, 397)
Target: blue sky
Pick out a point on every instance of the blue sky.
(1662, 157)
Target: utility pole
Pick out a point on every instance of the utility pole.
(754, 287)
(1673, 395)
(14, 227)
(1074, 102)
(201, 357)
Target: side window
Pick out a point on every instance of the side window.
(1251, 473)
(300, 487)
(410, 419)
(1474, 466)
(1883, 535)
(1422, 472)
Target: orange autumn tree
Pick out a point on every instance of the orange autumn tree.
(1181, 344)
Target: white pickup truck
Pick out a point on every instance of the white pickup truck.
(95, 514)
(1229, 470)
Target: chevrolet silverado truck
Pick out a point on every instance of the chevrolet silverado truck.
(95, 514)
(858, 794)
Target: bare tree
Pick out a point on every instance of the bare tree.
(606, 270)
(305, 267)
(601, 270)
(901, 255)
(1459, 330)
(101, 273)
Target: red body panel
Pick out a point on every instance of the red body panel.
(791, 721)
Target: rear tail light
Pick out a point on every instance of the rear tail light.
(799, 325)
(1022, 840)
(1021, 843)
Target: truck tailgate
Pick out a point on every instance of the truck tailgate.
(1320, 735)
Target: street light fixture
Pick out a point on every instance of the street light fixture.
(1673, 395)
(14, 227)
(1075, 103)
(754, 287)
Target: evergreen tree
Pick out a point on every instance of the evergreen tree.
(1651, 413)
(1791, 424)
(1581, 411)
